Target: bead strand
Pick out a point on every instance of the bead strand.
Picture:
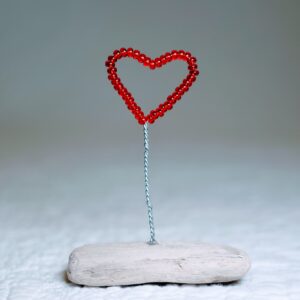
(152, 64)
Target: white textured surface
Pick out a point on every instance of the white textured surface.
(52, 203)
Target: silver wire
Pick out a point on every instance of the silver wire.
(152, 240)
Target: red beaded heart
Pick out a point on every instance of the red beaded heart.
(152, 64)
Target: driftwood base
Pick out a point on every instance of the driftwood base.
(137, 263)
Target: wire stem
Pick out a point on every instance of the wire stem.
(152, 240)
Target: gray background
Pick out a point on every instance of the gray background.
(53, 78)
(224, 162)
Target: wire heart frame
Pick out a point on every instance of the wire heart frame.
(153, 64)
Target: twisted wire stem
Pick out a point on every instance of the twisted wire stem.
(152, 240)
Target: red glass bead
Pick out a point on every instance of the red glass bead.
(189, 83)
(181, 53)
(123, 51)
(173, 101)
(168, 57)
(158, 62)
(152, 65)
(113, 59)
(174, 54)
(188, 55)
(142, 58)
(140, 114)
(130, 52)
(129, 106)
(127, 99)
(137, 115)
(133, 104)
(154, 115)
(163, 60)
(193, 78)
(109, 64)
(147, 62)
(136, 53)
(116, 80)
(111, 77)
(193, 67)
(137, 108)
(176, 96)
(185, 88)
(169, 105)
(109, 61)
(142, 121)
(180, 92)
(182, 85)
(161, 113)
(193, 60)
(112, 70)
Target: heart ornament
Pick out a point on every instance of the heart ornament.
(158, 62)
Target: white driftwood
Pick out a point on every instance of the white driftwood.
(137, 263)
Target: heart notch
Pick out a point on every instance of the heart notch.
(153, 64)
